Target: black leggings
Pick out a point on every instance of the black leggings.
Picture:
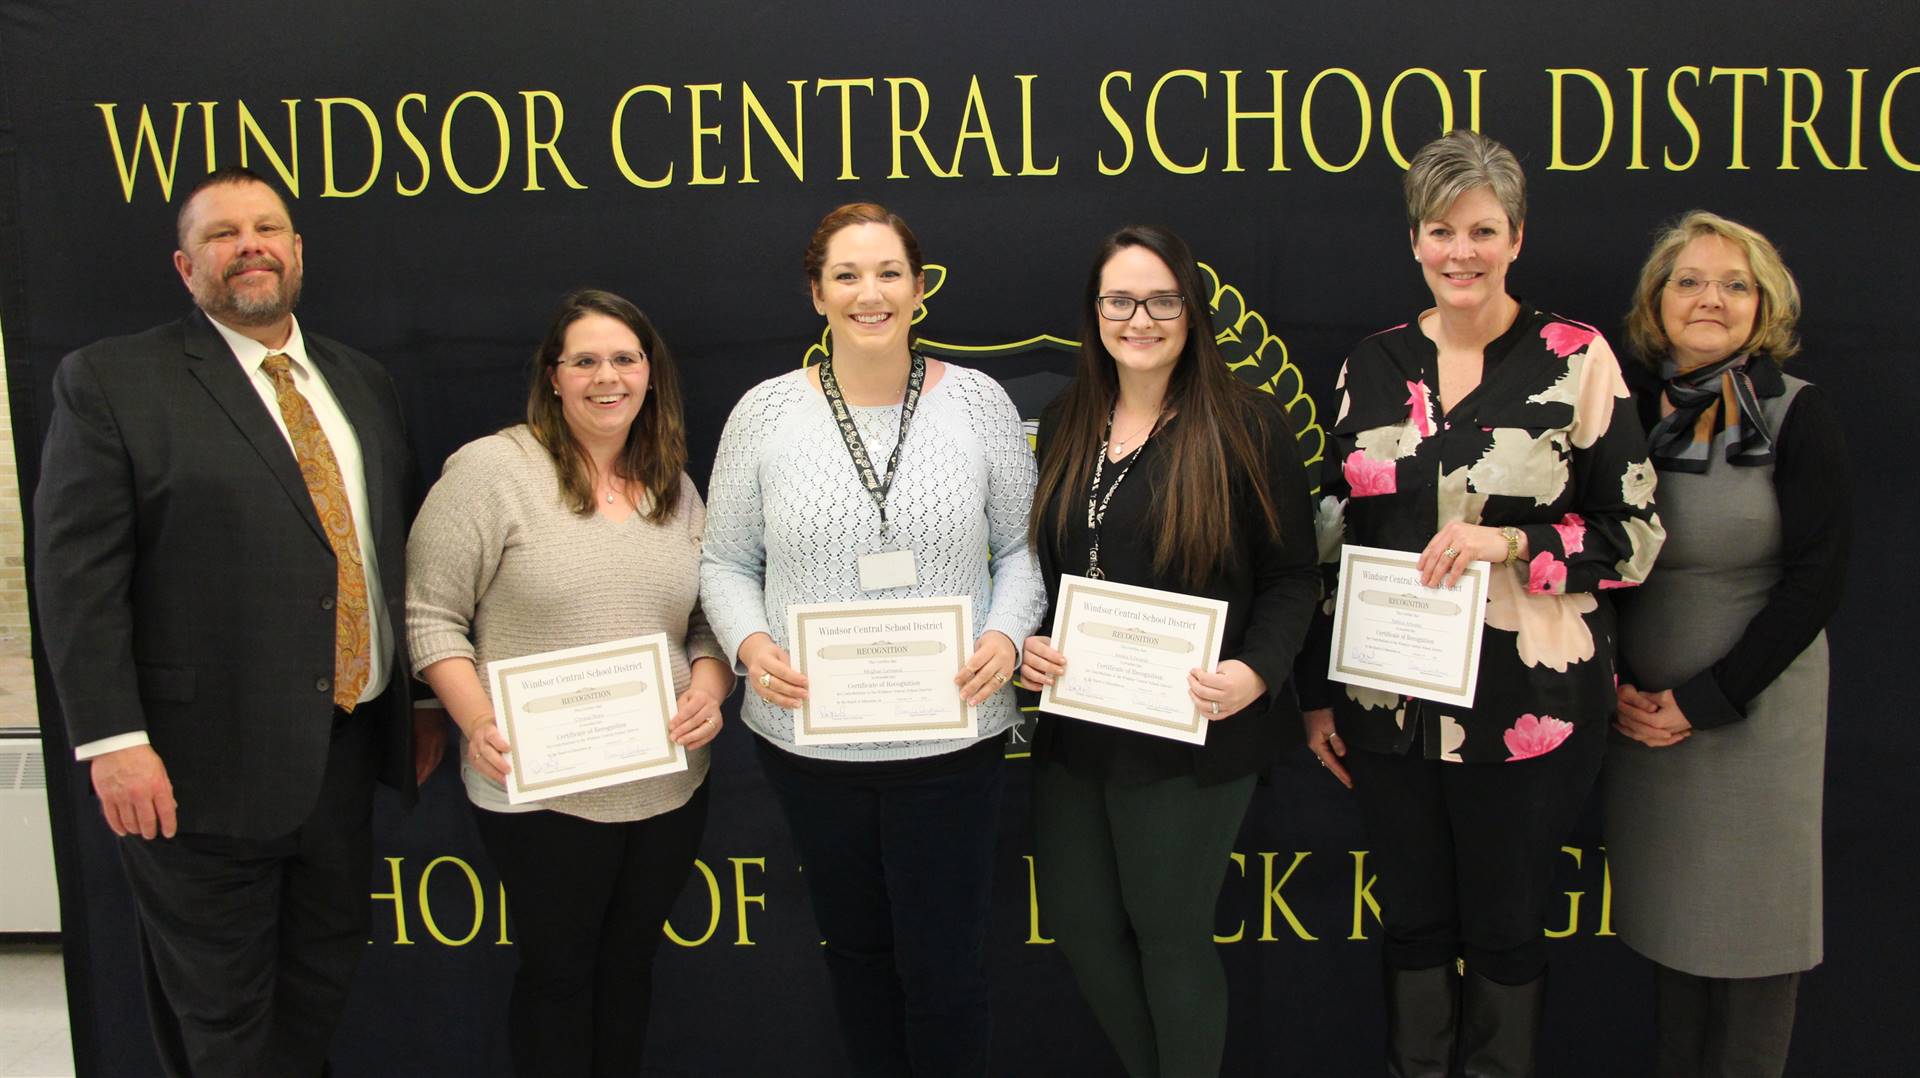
(587, 901)
(1129, 876)
(1466, 852)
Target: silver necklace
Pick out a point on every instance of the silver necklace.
(1120, 444)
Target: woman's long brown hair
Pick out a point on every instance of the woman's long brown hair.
(1221, 428)
(656, 449)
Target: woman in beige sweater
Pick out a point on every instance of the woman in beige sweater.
(577, 527)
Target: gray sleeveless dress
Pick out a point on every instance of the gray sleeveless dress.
(1714, 843)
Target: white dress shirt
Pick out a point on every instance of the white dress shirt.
(346, 451)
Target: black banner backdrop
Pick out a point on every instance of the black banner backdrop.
(457, 166)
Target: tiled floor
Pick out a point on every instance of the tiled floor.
(34, 1042)
(33, 1012)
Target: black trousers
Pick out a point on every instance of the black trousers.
(248, 945)
(586, 903)
(899, 869)
(1720, 1027)
(1466, 852)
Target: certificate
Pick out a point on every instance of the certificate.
(1129, 651)
(882, 670)
(1393, 633)
(582, 718)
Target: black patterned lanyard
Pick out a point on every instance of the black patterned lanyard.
(877, 485)
(1097, 510)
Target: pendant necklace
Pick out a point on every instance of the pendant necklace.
(1120, 444)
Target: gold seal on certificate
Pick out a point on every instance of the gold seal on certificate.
(1128, 651)
(882, 670)
(1393, 633)
(587, 717)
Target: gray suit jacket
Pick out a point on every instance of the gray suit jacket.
(184, 585)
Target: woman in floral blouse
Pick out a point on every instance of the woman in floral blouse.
(1512, 430)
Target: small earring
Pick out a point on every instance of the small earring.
(556, 392)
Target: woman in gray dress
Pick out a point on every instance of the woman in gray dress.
(1714, 782)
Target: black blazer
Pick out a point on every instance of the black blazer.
(184, 585)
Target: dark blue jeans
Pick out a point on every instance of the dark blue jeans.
(899, 867)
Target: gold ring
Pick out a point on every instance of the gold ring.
(1216, 707)
(766, 681)
(1450, 553)
(999, 679)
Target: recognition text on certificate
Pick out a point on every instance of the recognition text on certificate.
(1129, 650)
(587, 717)
(1393, 633)
(882, 670)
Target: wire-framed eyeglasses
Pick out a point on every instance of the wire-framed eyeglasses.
(586, 363)
(1686, 285)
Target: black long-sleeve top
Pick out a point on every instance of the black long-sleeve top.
(1270, 589)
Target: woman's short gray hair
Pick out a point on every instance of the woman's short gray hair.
(1458, 162)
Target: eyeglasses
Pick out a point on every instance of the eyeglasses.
(1687, 285)
(622, 363)
(1159, 308)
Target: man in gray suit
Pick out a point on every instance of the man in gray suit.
(220, 544)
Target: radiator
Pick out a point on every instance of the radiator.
(29, 901)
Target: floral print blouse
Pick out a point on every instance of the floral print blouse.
(1549, 443)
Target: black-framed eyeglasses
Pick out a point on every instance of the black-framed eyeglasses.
(1159, 308)
(1687, 285)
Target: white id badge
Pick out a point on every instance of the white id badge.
(887, 569)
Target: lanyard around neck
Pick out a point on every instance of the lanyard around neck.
(877, 485)
(1097, 509)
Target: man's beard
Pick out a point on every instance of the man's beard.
(254, 307)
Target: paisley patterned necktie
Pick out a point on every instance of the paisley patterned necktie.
(352, 661)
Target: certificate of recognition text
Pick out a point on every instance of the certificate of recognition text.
(1393, 633)
(882, 670)
(1128, 651)
(587, 717)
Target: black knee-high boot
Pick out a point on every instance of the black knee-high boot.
(1423, 1010)
(1498, 1026)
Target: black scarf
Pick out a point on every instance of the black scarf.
(1706, 400)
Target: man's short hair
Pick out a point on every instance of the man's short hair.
(231, 174)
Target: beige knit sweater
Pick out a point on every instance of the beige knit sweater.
(499, 567)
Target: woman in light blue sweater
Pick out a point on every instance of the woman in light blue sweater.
(897, 836)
